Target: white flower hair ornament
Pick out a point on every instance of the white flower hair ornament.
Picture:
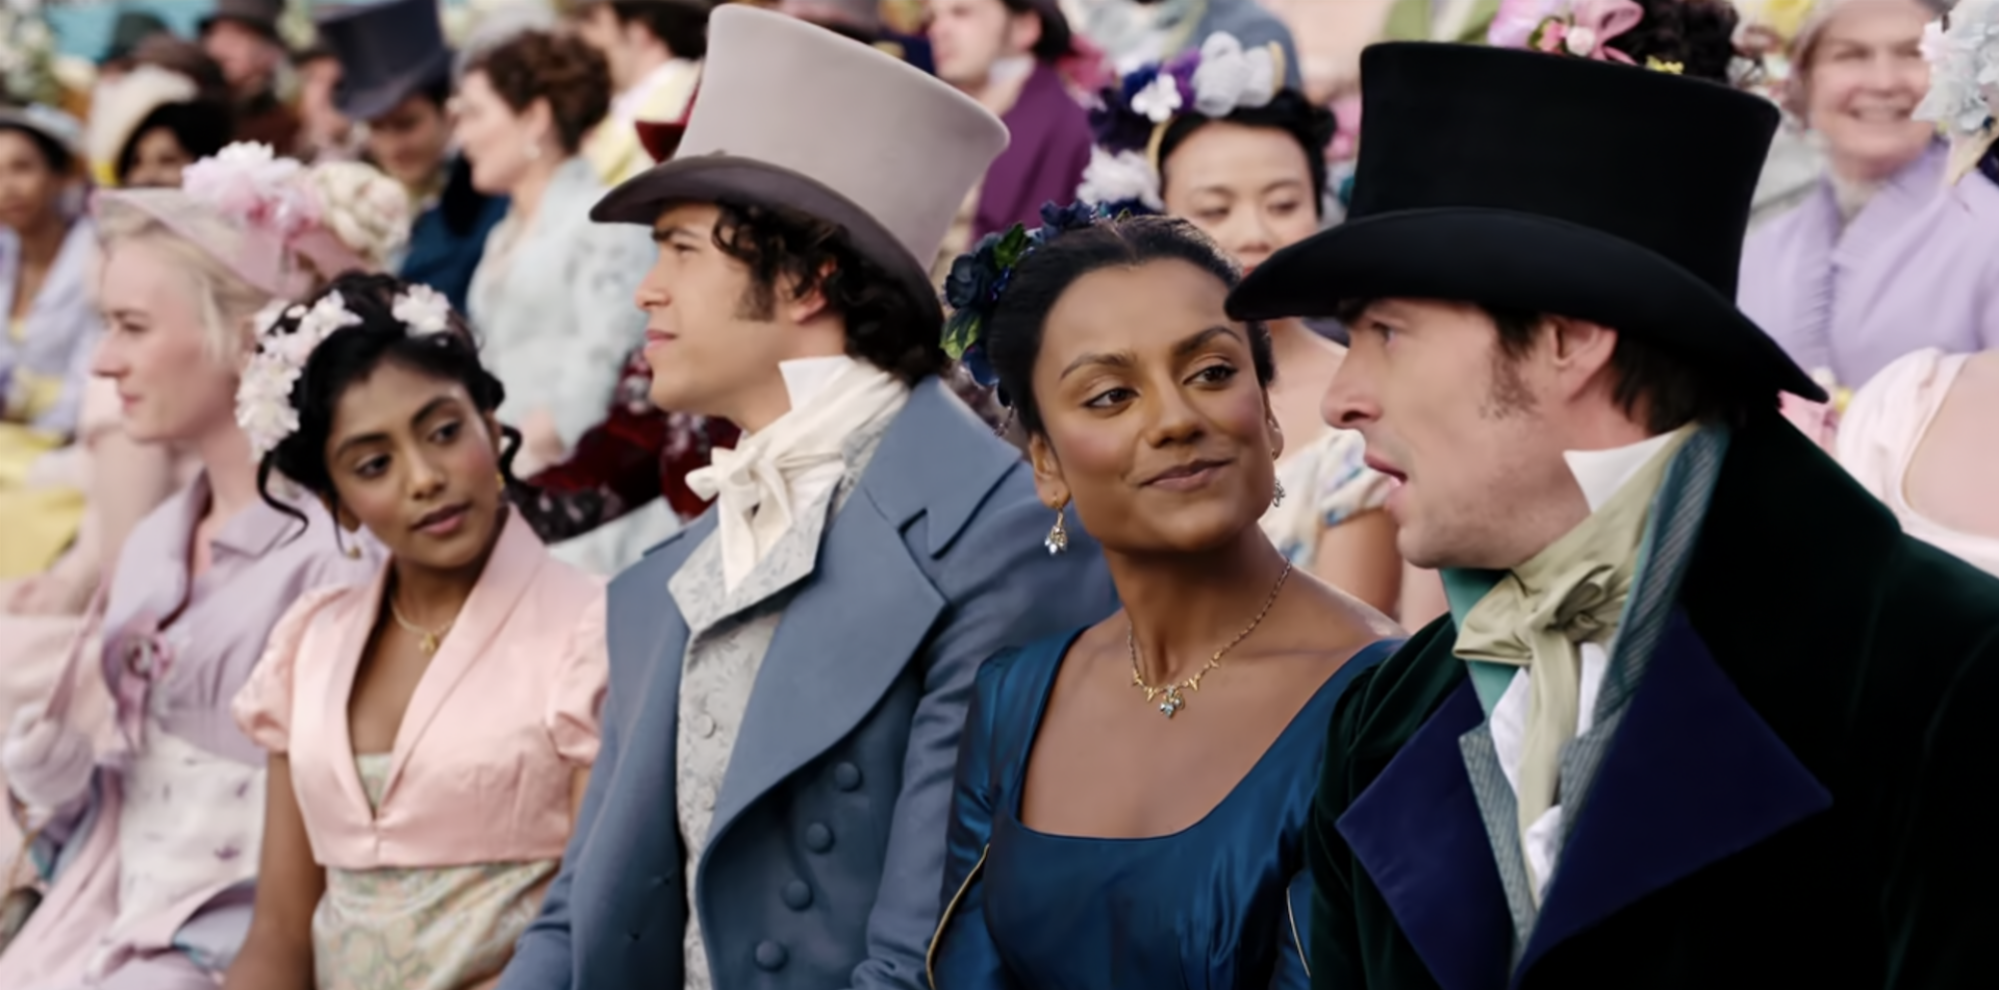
(1132, 115)
(264, 407)
(1963, 51)
(1231, 77)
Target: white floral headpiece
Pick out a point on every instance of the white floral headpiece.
(264, 406)
(1964, 78)
(1221, 78)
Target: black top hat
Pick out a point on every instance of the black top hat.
(261, 15)
(132, 27)
(1552, 184)
(387, 51)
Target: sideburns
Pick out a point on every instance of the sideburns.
(1507, 394)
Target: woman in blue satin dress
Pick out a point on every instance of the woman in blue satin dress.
(1130, 796)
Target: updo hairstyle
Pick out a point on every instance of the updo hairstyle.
(1311, 125)
(351, 354)
(558, 67)
(1013, 331)
(1697, 34)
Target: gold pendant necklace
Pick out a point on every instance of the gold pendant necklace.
(426, 639)
(1169, 696)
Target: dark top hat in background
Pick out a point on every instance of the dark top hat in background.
(387, 51)
(258, 15)
(132, 27)
(1550, 184)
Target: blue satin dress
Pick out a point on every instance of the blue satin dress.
(1220, 905)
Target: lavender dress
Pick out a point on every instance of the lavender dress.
(1917, 267)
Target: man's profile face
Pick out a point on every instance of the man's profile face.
(409, 142)
(708, 340)
(1454, 420)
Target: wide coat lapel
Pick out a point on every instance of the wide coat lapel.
(1693, 775)
(856, 622)
(1418, 832)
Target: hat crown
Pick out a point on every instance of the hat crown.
(1661, 161)
(901, 145)
(385, 51)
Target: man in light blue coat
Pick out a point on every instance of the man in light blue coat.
(789, 674)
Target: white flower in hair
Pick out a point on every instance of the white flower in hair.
(423, 310)
(1230, 77)
(1119, 178)
(264, 396)
(1159, 100)
(1964, 69)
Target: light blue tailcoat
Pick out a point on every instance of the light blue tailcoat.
(827, 848)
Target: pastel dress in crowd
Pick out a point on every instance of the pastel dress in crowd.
(1916, 267)
(552, 303)
(151, 868)
(1326, 482)
(1880, 433)
(437, 852)
(44, 363)
(1220, 905)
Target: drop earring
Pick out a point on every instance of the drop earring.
(502, 475)
(1277, 484)
(348, 550)
(1058, 534)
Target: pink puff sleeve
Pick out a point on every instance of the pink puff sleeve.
(263, 707)
(576, 703)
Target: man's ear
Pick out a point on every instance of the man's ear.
(803, 304)
(1582, 351)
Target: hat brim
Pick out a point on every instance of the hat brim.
(1521, 261)
(722, 178)
(377, 99)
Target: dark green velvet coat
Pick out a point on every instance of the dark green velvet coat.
(1792, 800)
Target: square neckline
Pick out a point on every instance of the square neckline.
(1334, 684)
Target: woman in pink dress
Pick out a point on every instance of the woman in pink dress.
(430, 731)
(149, 842)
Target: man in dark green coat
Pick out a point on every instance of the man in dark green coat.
(1701, 716)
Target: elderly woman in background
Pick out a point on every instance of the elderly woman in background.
(1878, 261)
(45, 254)
(1919, 434)
(552, 298)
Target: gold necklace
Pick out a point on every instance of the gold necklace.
(426, 639)
(1169, 697)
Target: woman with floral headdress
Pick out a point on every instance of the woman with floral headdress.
(1919, 434)
(1213, 138)
(1131, 796)
(432, 730)
(147, 838)
(1878, 260)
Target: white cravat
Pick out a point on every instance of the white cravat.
(760, 485)
(1601, 474)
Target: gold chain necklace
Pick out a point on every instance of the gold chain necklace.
(1169, 697)
(426, 639)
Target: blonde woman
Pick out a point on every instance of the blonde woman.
(154, 838)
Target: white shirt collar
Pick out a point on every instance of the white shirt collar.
(805, 378)
(1601, 473)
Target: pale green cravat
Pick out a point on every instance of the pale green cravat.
(1538, 615)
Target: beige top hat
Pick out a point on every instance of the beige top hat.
(793, 115)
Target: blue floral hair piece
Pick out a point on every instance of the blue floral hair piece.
(980, 276)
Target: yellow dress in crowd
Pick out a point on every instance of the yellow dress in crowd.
(36, 521)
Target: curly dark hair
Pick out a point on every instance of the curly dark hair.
(1012, 335)
(1311, 125)
(559, 68)
(886, 326)
(1697, 34)
(349, 355)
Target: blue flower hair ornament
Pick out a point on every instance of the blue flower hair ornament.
(980, 276)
